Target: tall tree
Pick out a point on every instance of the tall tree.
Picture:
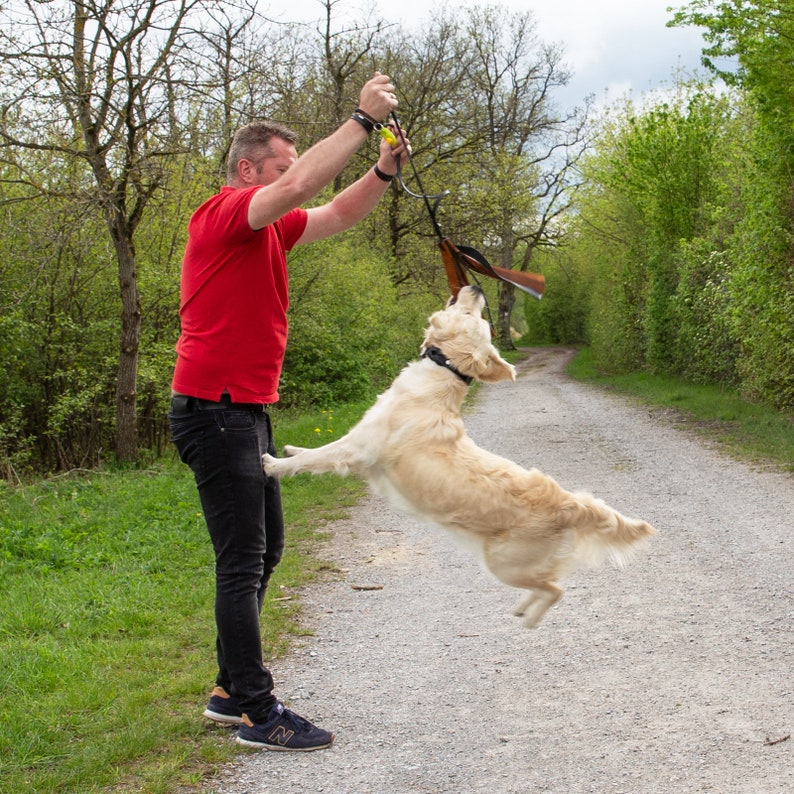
(98, 82)
(344, 53)
(477, 100)
(529, 145)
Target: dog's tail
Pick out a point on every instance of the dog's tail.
(604, 533)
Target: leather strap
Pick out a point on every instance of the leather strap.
(458, 258)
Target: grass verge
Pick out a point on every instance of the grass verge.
(106, 627)
(755, 433)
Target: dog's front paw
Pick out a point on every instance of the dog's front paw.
(269, 464)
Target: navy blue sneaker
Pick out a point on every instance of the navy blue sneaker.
(284, 731)
(223, 707)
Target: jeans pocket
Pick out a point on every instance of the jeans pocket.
(180, 425)
(236, 421)
(188, 437)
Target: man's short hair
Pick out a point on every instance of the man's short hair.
(248, 142)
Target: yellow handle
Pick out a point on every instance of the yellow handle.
(388, 136)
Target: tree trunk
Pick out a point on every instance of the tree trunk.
(507, 299)
(506, 292)
(126, 389)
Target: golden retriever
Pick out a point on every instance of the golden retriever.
(412, 448)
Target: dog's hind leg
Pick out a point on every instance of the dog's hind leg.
(528, 567)
(542, 596)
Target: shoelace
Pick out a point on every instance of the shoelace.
(298, 721)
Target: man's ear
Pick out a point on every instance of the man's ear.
(245, 171)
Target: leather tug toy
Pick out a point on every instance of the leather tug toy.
(460, 260)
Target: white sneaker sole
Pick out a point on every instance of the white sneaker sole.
(223, 719)
(279, 748)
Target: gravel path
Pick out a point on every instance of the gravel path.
(674, 675)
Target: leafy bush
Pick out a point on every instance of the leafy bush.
(707, 349)
(350, 330)
(561, 316)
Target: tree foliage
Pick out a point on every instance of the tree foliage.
(757, 39)
(94, 92)
(679, 260)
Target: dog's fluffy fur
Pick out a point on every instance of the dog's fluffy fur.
(412, 448)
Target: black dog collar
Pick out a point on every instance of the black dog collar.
(435, 354)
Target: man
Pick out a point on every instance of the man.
(234, 329)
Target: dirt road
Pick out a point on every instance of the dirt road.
(674, 675)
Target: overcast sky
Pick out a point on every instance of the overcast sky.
(611, 46)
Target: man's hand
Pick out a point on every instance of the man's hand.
(377, 98)
(391, 154)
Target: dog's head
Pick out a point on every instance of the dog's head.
(465, 338)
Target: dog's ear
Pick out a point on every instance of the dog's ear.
(495, 368)
(433, 333)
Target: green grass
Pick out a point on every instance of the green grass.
(106, 627)
(106, 589)
(755, 433)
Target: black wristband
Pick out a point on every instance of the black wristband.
(381, 175)
(364, 122)
(365, 115)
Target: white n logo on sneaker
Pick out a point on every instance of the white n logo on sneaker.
(280, 735)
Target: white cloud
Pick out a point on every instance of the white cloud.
(618, 46)
(611, 46)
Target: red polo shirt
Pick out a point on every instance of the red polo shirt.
(234, 299)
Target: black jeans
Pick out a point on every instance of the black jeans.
(223, 444)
